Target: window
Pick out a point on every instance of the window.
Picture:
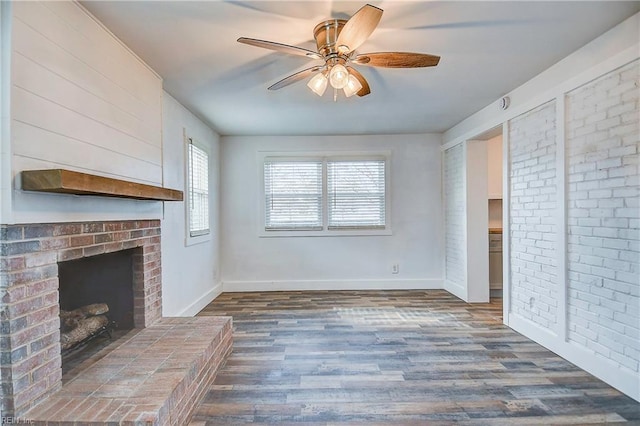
(293, 194)
(356, 194)
(198, 190)
(328, 195)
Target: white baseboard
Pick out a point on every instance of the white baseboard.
(456, 289)
(533, 330)
(201, 302)
(495, 292)
(621, 378)
(308, 285)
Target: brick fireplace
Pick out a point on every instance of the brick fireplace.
(30, 358)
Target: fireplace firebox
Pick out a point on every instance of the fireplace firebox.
(106, 278)
(96, 303)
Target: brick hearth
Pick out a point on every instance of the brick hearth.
(30, 360)
(154, 377)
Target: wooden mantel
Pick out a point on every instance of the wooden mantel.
(69, 182)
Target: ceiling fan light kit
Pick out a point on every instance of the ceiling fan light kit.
(337, 41)
(353, 86)
(338, 76)
(318, 84)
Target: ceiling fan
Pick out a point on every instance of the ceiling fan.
(337, 41)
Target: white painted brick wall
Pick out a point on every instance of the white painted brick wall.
(455, 215)
(603, 216)
(532, 211)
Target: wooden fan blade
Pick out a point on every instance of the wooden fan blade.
(397, 60)
(279, 47)
(300, 75)
(365, 86)
(358, 28)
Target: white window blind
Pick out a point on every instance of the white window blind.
(356, 194)
(293, 194)
(198, 191)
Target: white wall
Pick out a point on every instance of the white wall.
(591, 233)
(80, 100)
(190, 273)
(253, 263)
(477, 223)
(494, 168)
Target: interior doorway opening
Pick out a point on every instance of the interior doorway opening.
(487, 241)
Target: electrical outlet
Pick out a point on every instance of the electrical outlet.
(395, 268)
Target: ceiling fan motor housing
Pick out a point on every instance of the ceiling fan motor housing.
(326, 34)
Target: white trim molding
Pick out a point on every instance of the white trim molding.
(200, 303)
(456, 289)
(621, 378)
(506, 223)
(561, 218)
(348, 284)
(6, 201)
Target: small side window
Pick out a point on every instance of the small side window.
(197, 190)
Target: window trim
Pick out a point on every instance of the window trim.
(201, 236)
(324, 156)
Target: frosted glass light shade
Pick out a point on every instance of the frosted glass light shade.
(338, 76)
(318, 84)
(353, 86)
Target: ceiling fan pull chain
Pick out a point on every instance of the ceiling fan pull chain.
(335, 95)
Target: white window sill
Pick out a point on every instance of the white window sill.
(326, 233)
(200, 239)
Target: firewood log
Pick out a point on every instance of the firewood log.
(94, 309)
(86, 328)
(70, 319)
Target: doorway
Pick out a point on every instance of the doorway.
(489, 225)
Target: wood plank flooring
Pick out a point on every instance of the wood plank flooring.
(393, 357)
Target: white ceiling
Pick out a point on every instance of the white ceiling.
(487, 49)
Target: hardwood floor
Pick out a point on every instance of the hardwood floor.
(393, 357)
